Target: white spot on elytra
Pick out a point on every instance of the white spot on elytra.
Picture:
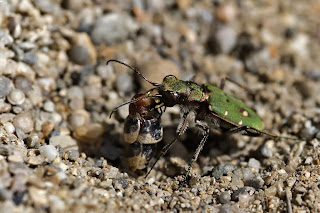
(226, 113)
(240, 122)
(245, 113)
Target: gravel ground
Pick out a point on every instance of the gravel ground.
(60, 151)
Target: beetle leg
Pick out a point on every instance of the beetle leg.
(222, 83)
(167, 147)
(206, 130)
(254, 132)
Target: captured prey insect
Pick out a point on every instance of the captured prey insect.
(212, 108)
(142, 131)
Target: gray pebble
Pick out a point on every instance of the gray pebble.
(20, 133)
(6, 150)
(226, 38)
(32, 140)
(72, 4)
(49, 152)
(254, 163)
(92, 92)
(247, 174)
(44, 5)
(24, 122)
(19, 168)
(113, 28)
(79, 54)
(5, 86)
(124, 84)
(257, 182)
(65, 141)
(120, 183)
(73, 154)
(219, 171)
(224, 197)
(75, 92)
(5, 194)
(30, 58)
(78, 118)
(266, 152)
(19, 54)
(5, 38)
(243, 190)
(229, 168)
(23, 84)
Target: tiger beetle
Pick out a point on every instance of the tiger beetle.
(212, 107)
(142, 131)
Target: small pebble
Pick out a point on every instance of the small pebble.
(88, 133)
(23, 83)
(9, 127)
(24, 122)
(217, 172)
(78, 118)
(47, 128)
(16, 97)
(20, 133)
(266, 152)
(120, 183)
(32, 140)
(271, 191)
(124, 84)
(5, 194)
(38, 196)
(254, 163)
(83, 51)
(6, 150)
(113, 28)
(224, 39)
(73, 154)
(48, 106)
(44, 5)
(224, 197)
(49, 152)
(226, 12)
(92, 92)
(30, 58)
(65, 141)
(5, 86)
(73, 4)
(243, 190)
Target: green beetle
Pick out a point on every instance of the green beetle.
(211, 105)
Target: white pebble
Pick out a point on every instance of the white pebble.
(16, 97)
(253, 163)
(24, 122)
(9, 127)
(48, 106)
(49, 152)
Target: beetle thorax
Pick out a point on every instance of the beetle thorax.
(175, 91)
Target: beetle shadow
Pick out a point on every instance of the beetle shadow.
(107, 146)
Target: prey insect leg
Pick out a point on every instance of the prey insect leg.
(167, 147)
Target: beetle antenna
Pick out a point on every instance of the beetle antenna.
(134, 69)
(133, 101)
